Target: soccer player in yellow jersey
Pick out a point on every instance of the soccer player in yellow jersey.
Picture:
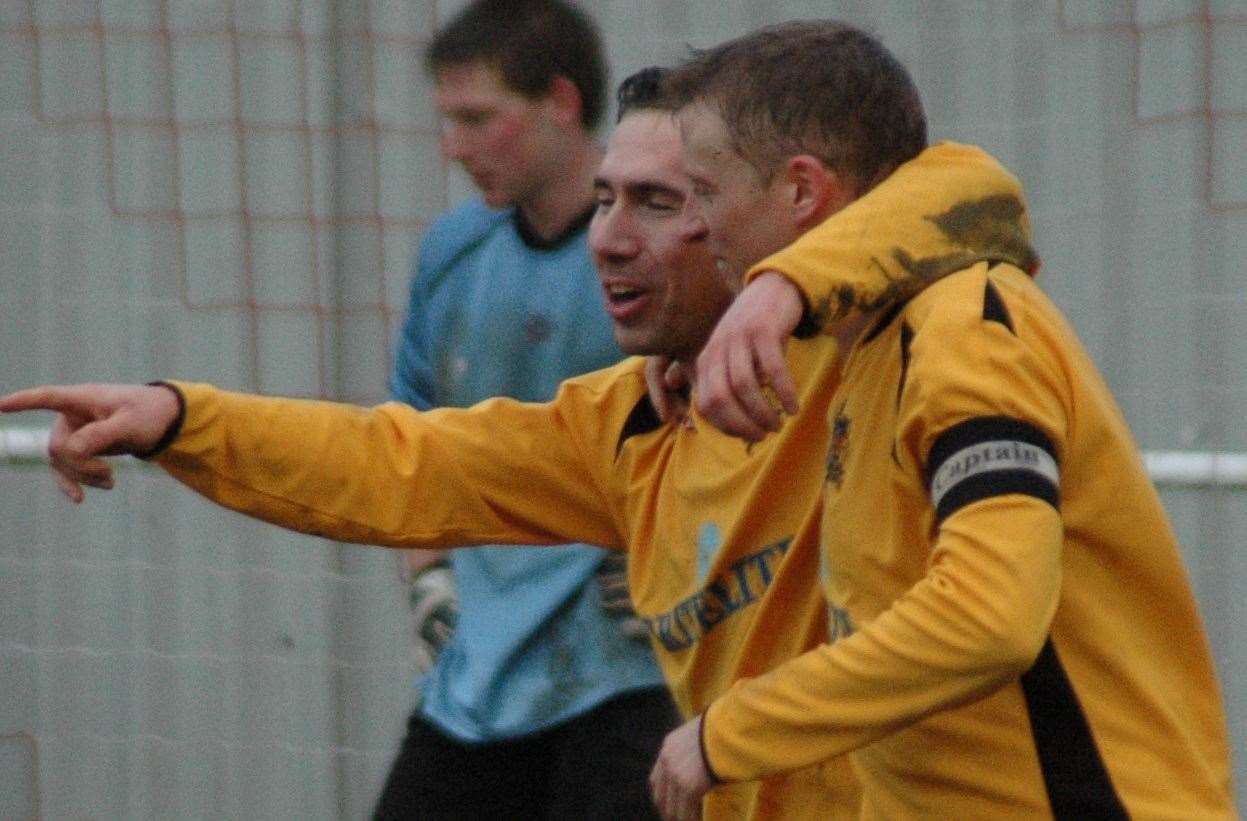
(723, 601)
(722, 538)
(1024, 643)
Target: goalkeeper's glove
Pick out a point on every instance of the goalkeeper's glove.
(612, 579)
(434, 611)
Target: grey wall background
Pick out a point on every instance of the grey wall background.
(230, 191)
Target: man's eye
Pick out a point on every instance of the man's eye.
(662, 205)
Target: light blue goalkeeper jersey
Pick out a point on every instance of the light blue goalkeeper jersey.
(493, 312)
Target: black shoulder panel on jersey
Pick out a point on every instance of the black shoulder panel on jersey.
(884, 320)
(994, 309)
(907, 339)
(1077, 782)
(642, 419)
(991, 456)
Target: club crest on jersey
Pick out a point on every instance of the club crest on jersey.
(838, 450)
(537, 328)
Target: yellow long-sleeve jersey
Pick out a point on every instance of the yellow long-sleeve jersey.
(722, 537)
(723, 547)
(1025, 641)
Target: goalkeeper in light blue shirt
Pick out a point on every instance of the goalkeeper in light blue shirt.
(543, 672)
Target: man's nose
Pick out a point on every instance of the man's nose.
(610, 237)
(454, 143)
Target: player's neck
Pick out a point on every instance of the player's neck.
(567, 195)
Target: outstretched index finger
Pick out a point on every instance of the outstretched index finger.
(71, 399)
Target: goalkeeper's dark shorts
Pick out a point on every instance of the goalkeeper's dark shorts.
(594, 767)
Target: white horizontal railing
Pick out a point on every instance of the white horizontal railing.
(1167, 467)
(18, 445)
(1187, 468)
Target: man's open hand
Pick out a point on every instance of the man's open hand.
(95, 421)
(680, 777)
(743, 360)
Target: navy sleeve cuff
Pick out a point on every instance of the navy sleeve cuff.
(701, 745)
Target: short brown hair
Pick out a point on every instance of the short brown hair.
(529, 42)
(815, 87)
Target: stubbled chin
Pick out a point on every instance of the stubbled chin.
(634, 341)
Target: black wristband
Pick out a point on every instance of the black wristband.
(175, 427)
(808, 327)
(701, 745)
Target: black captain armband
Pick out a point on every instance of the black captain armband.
(991, 456)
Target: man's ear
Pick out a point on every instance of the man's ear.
(565, 99)
(815, 192)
